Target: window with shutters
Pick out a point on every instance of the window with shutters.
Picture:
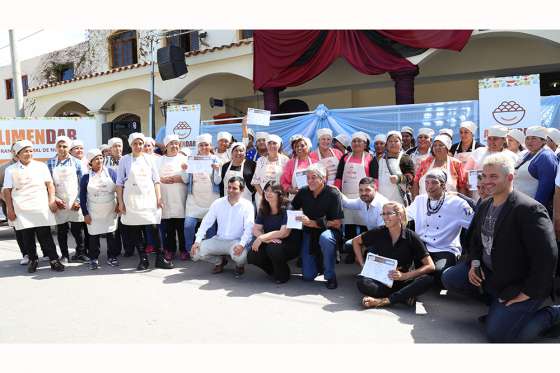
(186, 39)
(9, 84)
(123, 49)
(66, 72)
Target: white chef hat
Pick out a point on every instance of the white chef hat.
(223, 135)
(445, 140)
(148, 139)
(204, 137)
(66, 139)
(407, 130)
(251, 132)
(114, 140)
(426, 132)
(170, 138)
(537, 131)
(437, 173)
(298, 137)
(76, 143)
(318, 169)
(136, 135)
(92, 153)
(394, 133)
(21, 144)
(274, 138)
(261, 135)
(324, 132)
(295, 137)
(343, 138)
(446, 131)
(497, 131)
(380, 137)
(471, 126)
(103, 147)
(236, 145)
(554, 135)
(517, 135)
(360, 135)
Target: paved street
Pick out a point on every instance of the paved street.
(190, 305)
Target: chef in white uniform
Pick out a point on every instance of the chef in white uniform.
(30, 202)
(328, 156)
(174, 196)
(98, 200)
(139, 200)
(516, 142)
(238, 166)
(464, 148)
(224, 140)
(67, 172)
(439, 217)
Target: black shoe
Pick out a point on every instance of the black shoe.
(32, 265)
(332, 283)
(57, 266)
(482, 319)
(93, 264)
(144, 264)
(161, 262)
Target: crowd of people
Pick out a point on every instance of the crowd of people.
(405, 198)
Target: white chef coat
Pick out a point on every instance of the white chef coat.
(369, 214)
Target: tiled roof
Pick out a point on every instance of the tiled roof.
(138, 65)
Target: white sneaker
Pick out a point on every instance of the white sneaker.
(24, 261)
(64, 260)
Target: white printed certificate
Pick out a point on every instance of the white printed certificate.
(258, 117)
(378, 267)
(199, 164)
(292, 222)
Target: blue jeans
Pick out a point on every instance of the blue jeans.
(327, 242)
(190, 227)
(520, 322)
(150, 241)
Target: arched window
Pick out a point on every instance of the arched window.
(123, 49)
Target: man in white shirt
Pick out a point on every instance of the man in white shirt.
(439, 217)
(235, 217)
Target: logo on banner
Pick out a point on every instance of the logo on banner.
(509, 113)
(182, 129)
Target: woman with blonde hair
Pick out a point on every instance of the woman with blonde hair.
(395, 241)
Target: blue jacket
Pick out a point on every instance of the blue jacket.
(543, 168)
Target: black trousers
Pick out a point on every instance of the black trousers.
(45, 240)
(94, 244)
(442, 261)
(273, 258)
(136, 237)
(174, 229)
(121, 239)
(401, 290)
(62, 237)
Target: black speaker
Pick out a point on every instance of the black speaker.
(171, 62)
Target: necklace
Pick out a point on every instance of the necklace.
(434, 210)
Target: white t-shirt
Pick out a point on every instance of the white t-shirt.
(38, 168)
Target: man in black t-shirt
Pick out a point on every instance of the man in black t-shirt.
(322, 218)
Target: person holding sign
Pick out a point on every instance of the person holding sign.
(274, 244)
(322, 220)
(99, 205)
(238, 166)
(139, 199)
(269, 167)
(173, 195)
(66, 172)
(293, 178)
(394, 241)
(201, 192)
(30, 202)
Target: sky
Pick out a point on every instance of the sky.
(37, 41)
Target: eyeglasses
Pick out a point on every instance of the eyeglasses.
(388, 213)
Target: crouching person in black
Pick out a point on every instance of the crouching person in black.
(397, 242)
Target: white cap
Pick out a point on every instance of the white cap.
(135, 135)
(224, 135)
(20, 145)
(554, 135)
(517, 135)
(380, 137)
(360, 135)
(295, 137)
(471, 126)
(274, 138)
(66, 139)
(324, 132)
(407, 130)
(446, 131)
(426, 132)
(92, 153)
(497, 131)
(170, 138)
(445, 140)
(76, 143)
(343, 138)
(261, 135)
(148, 139)
(204, 137)
(537, 131)
(394, 133)
(233, 146)
(114, 140)
(251, 132)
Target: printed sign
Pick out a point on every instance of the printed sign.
(184, 121)
(258, 117)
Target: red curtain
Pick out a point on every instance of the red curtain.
(276, 51)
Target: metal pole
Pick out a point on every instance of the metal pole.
(16, 77)
(151, 116)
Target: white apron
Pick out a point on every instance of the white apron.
(101, 203)
(294, 184)
(272, 172)
(140, 195)
(173, 195)
(223, 158)
(67, 189)
(464, 156)
(386, 188)
(523, 181)
(353, 173)
(331, 164)
(202, 196)
(229, 174)
(418, 158)
(31, 200)
(451, 184)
